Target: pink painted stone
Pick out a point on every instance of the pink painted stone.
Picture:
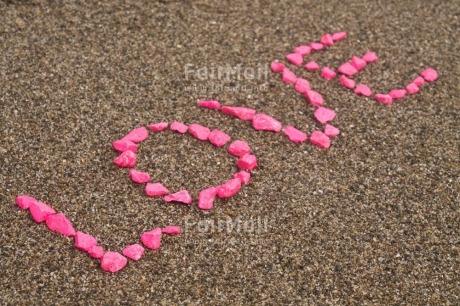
(295, 58)
(139, 177)
(155, 189)
(157, 127)
(370, 57)
(247, 162)
(294, 134)
(243, 176)
(316, 46)
(124, 145)
(206, 198)
(363, 90)
(315, 98)
(40, 211)
(347, 69)
(430, 75)
(398, 93)
(209, 104)
(331, 131)
(312, 66)
(171, 230)
(324, 115)
(266, 123)
(218, 138)
(84, 241)
(134, 251)
(178, 127)
(319, 139)
(96, 251)
(152, 239)
(302, 85)
(419, 81)
(412, 88)
(242, 113)
(303, 50)
(339, 36)
(348, 83)
(239, 148)
(328, 73)
(383, 98)
(59, 223)
(327, 40)
(358, 63)
(126, 159)
(200, 132)
(289, 76)
(228, 189)
(277, 67)
(181, 196)
(25, 201)
(137, 135)
(113, 262)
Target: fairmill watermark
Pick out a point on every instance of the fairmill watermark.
(257, 225)
(228, 72)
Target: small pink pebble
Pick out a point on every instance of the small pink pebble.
(348, 83)
(324, 115)
(171, 230)
(412, 88)
(137, 135)
(96, 251)
(134, 251)
(319, 139)
(430, 75)
(289, 77)
(242, 113)
(228, 189)
(200, 132)
(139, 177)
(155, 189)
(84, 241)
(124, 145)
(40, 211)
(25, 201)
(316, 46)
(218, 138)
(59, 223)
(328, 73)
(363, 90)
(347, 69)
(157, 127)
(303, 50)
(247, 162)
(398, 93)
(243, 176)
(181, 196)
(312, 66)
(339, 36)
(206, 198)
(152, 239)
(419, 81)
(295, 58)
(358, 63)
(239, 148)
(331, 131)
(266, 123)
(277, 67)
(327, 40)
(294, 134)
(385, 99)
(370, 57)
(314, 97)
(178, 127)
(113, 262)
(126, 159)
(209, 104)
(302, 85)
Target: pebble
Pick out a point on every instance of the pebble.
(171, 230)
(319, 139)
(358, 63)
(152, 239)
(84, 241)
(302, 85)
(327, 40)
(412, 88)
(303, 50)
(228, 189)
(243, 176)
(266, 123)
(200, 132)
(312, 66)
(59, 223)
(370, 57)
(206, 198)
(347, 69)
(181, 196)
(96, 251)
(124, 145)
(242, 113)
(331, 131)
(126, 159)
(363, 90)
(157, 127)
(398, 93)
(113, 262)
(139, 177)
(137, 135)
(339, 36)
(383, 98)
(315, 98)
(239, 148)
(155, 189)
(218, 138)
(316, 46)
(212, 104)
(134, 251)
(295, 58)
(324, 115)
(247, 162)
(277, 67)
(178, 127)
(25, 201)
(328, 73)
(289, 77)
(419, 81)
(294, 134)
(430, 75)
(40, 211)
(348, 83)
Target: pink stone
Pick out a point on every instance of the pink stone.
(200, 132)
(134, 251)
(84, 241)
(181, 196)
(239, 148)
(243, 176)
(295, 58)
(363, 90)
(303, 50)
(266, 123)
(178, 127)
(370, 57)
(339, 36)
(328, 73)
(319, 139)
(206, 198)
(157, 127)
(398, 93)
(327, 40)
(348, 83)
(209, 104)
(289, 76)
(59, 223)
(430, 75)
(25, 201)
(315, 98)
(347, 69)
(40, 211)
(139, 177)
(412, 88)
(312, 66)
(302, 85)
(137, 135)
(242, 113)
(155, 189)
(277, 67)
(171, 230)
(113, 262)
(331, 131)
(218, 138)
(247, 162)
(228, 189)
(294, 134)
(324, 115)
(152, 239)
(358, 63)
(316, 46)
(96, 251)
(419, 81)
(126, 159)
(124, 145)
(385, 99)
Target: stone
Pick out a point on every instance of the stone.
(113, 262)
(59, 223)
(209, 104)
(358, 63)
(242, 113)
(315, 98)
(383, 98)
(139, 177)
(218, 138)
(137, 135)
(25, 201)
(199, 132)
(348, 83)
(370, 57)
(419, 81)
(152, 239)
(155, 189)
(328, 73)
(40, 211)
(126, 159)
(316, 46)
(263, 122)
(331, 131)
(327, 40)
(228, 189)
(243, 176)
(398, 93)
(134, 251)
(178, 127)
(289, 76)
(96, 251)
(302, 85)
(157, 127)
(412, 88)
(171, 230)
(430, 75)
(295, 58)
(239, 148)
(277, 67)
(181, 196)
(303, 50)
(319, 139)
(84, 241)
(347, 69)
(339, 36)
(294, 134)
(324, 115)
(206, 198)
(247, 162)
(363, 90)
(124, 145)
(312, 66)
